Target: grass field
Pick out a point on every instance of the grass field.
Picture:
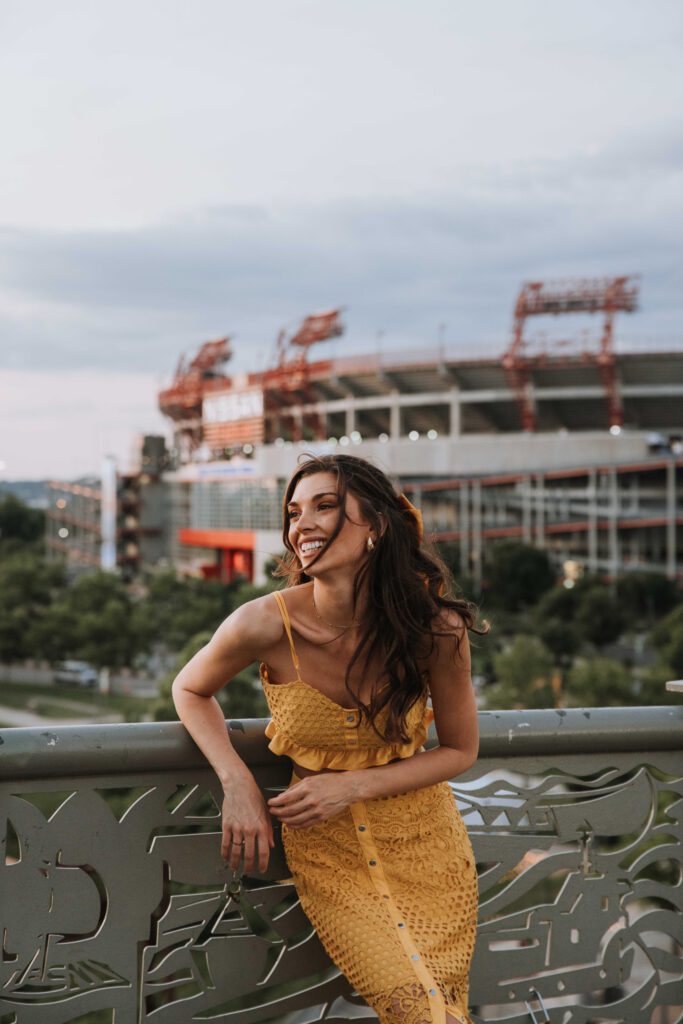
(70, 702)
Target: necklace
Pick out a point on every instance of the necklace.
(332, 625)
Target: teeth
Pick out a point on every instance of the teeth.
(312, 545)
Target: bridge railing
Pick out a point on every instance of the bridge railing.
(114, 907)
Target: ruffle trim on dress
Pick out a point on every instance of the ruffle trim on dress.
(315, 758)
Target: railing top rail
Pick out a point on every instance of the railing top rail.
(127, 748)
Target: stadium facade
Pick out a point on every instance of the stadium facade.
(598, 497)
(572, 445)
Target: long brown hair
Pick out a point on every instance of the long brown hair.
(407, 587)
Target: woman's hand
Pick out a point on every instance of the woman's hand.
(313, 799)
(245, 818)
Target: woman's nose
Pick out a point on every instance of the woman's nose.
(304, 522)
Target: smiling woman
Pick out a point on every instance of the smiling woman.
(364, 634)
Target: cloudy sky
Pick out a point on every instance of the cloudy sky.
(173, 172)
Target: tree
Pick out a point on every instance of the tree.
(242, 697)
(553, 619)
(559, 603)
(20, 522)
(600, 682)
(667, 639)
(561, 638)
(651, 685)
(27, 587)
(524, 676)
(52, 635)
(644, 595)
(599, 616)
(663, 632)
(175, 610)
(673, 652)
(93, 620)
(517, 574)
(250, 591)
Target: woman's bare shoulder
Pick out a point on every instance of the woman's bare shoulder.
(256, 624)
(297, 597)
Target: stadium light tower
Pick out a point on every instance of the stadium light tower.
(607, 295)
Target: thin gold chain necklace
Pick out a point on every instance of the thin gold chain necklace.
(332, 625)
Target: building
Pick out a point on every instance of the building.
(117, 520)
(576, 449)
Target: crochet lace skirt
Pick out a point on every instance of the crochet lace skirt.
(390, 887)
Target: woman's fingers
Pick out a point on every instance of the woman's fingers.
(300, 821)
(293, 805)
(250, 842)
(256, 851)
(295, 792)
(290, 798)
(247, 828)
(264, 845)
(305, 812)
(256, 847)
(226, 843)
(235, 852)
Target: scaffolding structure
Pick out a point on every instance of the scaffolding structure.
(610, 520)
(182, 402)
(607, 295)
(288, 383)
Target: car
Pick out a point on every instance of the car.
(76, 673)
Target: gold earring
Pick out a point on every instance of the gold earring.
(370, 544)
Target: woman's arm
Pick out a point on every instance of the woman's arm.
(243, 638)
(455, 717)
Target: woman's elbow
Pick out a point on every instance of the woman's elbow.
(471, 758)
(465, 757)
(180, 689)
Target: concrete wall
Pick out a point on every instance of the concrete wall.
(268, 545)
(472, 454)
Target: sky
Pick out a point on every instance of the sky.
(175, 172)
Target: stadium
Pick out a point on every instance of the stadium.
(572, 444)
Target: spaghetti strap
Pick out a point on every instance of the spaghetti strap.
(288, 627)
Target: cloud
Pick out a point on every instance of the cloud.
(132, 300)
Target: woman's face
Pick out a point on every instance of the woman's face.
(313, 514)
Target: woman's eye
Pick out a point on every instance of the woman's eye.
(322, 507)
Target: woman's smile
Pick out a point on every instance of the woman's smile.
(308, 546)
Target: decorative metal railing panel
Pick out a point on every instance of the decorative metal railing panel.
(114, 906)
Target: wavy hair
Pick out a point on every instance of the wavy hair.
(407, 588)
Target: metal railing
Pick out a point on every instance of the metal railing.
(114, 906)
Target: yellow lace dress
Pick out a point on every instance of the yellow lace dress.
(390, 883)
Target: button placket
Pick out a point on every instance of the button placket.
(436, 1000)
(350, 731)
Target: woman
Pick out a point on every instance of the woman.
(374, 841)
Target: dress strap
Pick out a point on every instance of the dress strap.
(288, 627)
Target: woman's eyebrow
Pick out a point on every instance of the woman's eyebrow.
(323, 494)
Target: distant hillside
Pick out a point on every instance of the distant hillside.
(32, 492)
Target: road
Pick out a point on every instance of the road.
(19, 717)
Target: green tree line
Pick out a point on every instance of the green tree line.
(590, 644)
(549, 645)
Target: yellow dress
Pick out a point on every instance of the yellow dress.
(389, 884)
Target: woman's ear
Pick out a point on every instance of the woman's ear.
(382, 524)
